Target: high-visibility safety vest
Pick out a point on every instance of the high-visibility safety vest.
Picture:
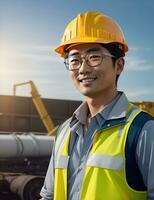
(105, 174)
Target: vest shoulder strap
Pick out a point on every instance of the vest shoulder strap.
(65, 123)
(133, 175)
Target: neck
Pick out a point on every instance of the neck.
(98, 103)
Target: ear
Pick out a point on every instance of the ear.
(120, 62)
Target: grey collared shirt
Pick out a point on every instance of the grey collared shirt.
(82, 134)
(82, 139)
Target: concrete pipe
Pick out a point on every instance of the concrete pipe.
(25, 145)
(27, 187)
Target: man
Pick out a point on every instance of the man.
(106, 149)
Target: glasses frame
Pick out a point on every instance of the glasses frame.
(85, 58)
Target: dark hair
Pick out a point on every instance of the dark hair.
(115, 49)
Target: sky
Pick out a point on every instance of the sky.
(30, 30)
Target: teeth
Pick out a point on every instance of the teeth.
(87, 80)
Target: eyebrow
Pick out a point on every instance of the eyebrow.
(88, 51)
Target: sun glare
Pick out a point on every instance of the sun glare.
(9, 65)
(4, 58)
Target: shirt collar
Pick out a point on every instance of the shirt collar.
(81, 113)
(114, 110)
(120, 107)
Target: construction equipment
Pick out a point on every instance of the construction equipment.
(146, 105)
(47, 121)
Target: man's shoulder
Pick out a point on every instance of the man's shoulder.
(61, 126)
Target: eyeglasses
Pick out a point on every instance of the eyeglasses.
(93, 59)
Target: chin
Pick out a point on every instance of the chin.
(87, 93)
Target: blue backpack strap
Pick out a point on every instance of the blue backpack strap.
(133, 175)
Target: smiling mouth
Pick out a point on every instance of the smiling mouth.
(87, 80)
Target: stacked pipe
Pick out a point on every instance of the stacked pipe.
(14, 147)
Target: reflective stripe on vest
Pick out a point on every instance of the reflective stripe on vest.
(106, 161)
(62, 162)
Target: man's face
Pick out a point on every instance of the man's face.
(94, 81)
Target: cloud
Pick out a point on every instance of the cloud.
(37, 53)
(41, 53)
(134, 61)
(140, 94)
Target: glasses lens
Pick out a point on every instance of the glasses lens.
(73, 62)
(94, 59)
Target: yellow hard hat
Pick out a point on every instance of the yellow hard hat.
(92, 27)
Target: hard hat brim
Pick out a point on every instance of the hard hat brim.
(62, 48)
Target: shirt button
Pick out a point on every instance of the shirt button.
(78, 189)
(80, 168)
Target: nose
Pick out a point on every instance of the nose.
(84, 68)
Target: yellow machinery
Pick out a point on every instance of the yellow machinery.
(47, 121)
(147, 106)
